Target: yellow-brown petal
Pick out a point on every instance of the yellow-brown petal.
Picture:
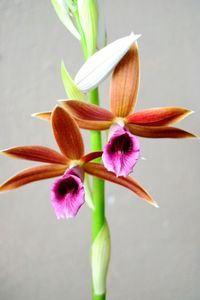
(160, 132)
(45, 115)
(88, 116)
(31, 175)
(125, 83)
(99, 170)
(158, 116)
(36, 153)
(67, 134)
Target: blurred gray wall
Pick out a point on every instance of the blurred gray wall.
(155, 252)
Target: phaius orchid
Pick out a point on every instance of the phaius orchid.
(122, 151)
(67, 193)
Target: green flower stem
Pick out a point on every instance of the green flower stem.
(100, 297)
(98, 214)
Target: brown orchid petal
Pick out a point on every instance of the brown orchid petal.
(31, 175)
(67, 134)
(36, 153)
(90, 156)
(93, 125)
(99, 170)
(85, 111)
(159, 116)
(46, 115)
(88, 116)
(125, 83)
(159, 132)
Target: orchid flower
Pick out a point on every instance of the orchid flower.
(122, 151)
(67, 192)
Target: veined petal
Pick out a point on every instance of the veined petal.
(67, 134)
(99, 65)
(158, 116)
(45, 115)
(63, 14)
(71, 89)
(125, 83)
(36, 153)
(87, 112)
(85, 124)
(160, 132)
(67, 195)
(31, 175)
(99, 170)
(88, 116)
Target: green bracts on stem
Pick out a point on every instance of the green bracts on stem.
(71, 88)
(88, 14)
(100, 258)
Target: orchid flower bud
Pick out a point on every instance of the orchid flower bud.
(88, 14)
(100, 258)
(63, 11)
(71, 88)
(101, 64)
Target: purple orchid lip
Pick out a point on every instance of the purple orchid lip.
(121, 152)
(67, 194)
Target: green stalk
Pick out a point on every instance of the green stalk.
(98, 214)
(101, 297)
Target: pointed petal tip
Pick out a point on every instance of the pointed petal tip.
(155, 204)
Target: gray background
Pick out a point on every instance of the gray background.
(155, 252)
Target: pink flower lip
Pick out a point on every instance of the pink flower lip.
(67, 194)
(122, 151)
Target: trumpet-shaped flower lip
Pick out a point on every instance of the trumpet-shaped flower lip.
(67, 194)
(121, 152)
